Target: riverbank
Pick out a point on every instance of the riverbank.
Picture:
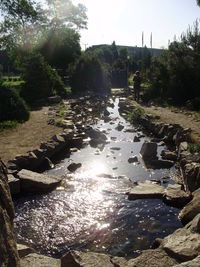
(170, 249)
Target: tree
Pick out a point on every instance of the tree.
(65, 13)
(198, 2)
(61, 47)
(40, 79)
(21, 22)
(90, 74)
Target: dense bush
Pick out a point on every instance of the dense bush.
(175, 75)
(12, 106)
(90, 74)
(40, 79)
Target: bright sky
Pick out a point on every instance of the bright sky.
(123, 21)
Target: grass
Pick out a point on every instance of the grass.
(136, 115)
(194, 147)
(8, 125)
(61, 116)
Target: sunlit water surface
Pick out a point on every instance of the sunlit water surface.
(90, 211)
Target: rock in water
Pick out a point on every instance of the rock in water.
(37, 182)
(149, 150)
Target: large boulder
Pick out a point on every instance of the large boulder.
(152, 258)
(149, 150)
(192, 263)
(8, 249)
(146, 189)
(175, 196)
(191, 209)
(36, 260)
(191, 176)
(184, 243)
(37, 182)
(91, 259)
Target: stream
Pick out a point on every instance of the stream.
(91, 211)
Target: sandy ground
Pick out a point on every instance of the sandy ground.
(167, 116)
(29, 135)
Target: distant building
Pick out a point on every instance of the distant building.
(134, 50)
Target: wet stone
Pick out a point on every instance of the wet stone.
(146, 189)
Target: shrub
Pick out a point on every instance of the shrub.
(90, 75)
(40, 79)
(12, 106)
(136, 115)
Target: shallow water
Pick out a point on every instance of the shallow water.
(90, 210)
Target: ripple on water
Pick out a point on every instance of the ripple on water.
(91, 210)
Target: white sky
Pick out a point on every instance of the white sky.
(123, 21)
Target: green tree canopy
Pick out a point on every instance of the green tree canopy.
(21, 22)
(65, 13)
(61, 47)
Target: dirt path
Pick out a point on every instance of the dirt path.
(186, 120)
(27, 136)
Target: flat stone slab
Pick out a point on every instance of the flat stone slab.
(36, 260)
(147, 189)
(37, 182)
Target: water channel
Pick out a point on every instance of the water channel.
(91, 210)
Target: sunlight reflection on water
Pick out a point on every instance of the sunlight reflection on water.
(90, 210)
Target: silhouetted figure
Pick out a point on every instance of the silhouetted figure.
(137, 82)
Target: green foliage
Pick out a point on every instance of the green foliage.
(20, 19)
(136, 115)
(60, 47)
(64, 13)
(193, 104)
(175, 76)
(194, 147)
(8, 125)
(90, 75)
(40, 79)
(12, 106)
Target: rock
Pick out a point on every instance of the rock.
(119, 127)
(14, 184)
(193, 263)
(74, 166)
(8, 248)
(133, 159)
(152, 258)
(36, 260)
(115, 148)
(106, 112)
(37, 182)
(130, 130)
(148, 150)
(184, 243)
(47, 164)
(76, 141)
(191, 209)
(89, 259)
(95, 134)
(183, 147)
(191, 176)
(158, 163)
(54, 99)
(23, 250)
(136, 139)
(146, 189)
(169, 155)
(175, 196)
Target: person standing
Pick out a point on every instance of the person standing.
(137, 83)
